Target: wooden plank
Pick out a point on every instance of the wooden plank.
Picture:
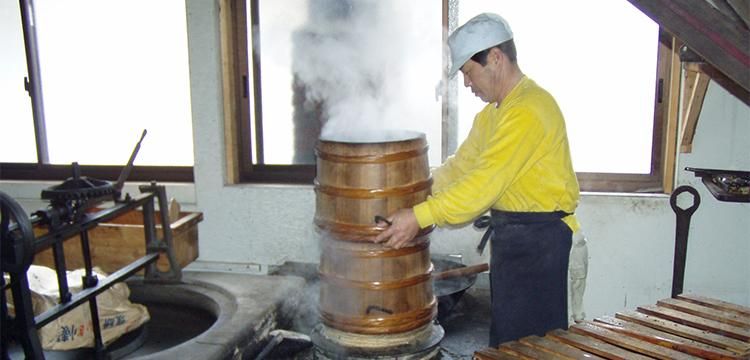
(725, 8)
(725, 82)
(524, 351)
(733, 319)
(594, 346)
(715, 303)
(694, 63)
(721, 42)
(228, 27)
(697, 322)
(666, 339)
(559, 349)
(742, 8)
(673, 112)
(699, 335)
(492, 354)
(631, 343)
(696, 86)
(688, 82)
(120, 241)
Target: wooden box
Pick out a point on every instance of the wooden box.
(121, 241)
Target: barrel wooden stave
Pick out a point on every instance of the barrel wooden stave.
(356, 182)
(367, 288)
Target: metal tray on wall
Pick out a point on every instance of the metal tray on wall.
(725, 185)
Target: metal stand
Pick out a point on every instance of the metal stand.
(65, 219)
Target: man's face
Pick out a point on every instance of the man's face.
(481, 80)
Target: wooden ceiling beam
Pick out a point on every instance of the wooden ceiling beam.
(690, 59)
(695, 84)
(720, 41)
(742, 8)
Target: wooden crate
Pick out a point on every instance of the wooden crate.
(120, 241)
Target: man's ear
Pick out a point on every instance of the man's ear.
(495, 56)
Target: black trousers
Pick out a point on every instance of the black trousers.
(528, 274)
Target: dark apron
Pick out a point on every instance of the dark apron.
(528, 272)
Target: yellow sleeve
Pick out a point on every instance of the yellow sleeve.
(506, 146)
(455, 166)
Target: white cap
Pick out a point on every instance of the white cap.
(481, 32)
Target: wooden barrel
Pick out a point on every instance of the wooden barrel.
(367, 288)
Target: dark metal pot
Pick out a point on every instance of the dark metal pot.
(451, 279)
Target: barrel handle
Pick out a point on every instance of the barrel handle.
(378, 308)
(379, 218)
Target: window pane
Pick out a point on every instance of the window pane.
(109, 70)
(601, 69)
(359, 65)
(277, 28)
(18, 144)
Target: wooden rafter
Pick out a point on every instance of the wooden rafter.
(742, 9)
(673, 115)
(695, 86)
(721, 40)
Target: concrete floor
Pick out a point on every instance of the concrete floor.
(467, 327)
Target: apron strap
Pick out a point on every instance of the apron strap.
(497, 219)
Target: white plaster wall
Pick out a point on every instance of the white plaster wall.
(719, 247)
(631, 237)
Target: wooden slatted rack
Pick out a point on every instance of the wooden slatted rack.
(684, 327)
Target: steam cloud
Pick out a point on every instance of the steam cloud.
(373, 64)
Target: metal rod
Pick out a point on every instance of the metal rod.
(99, 348)
(4, 325)
(34, 219)
(149, 235)
(126, 170)
(149, 226)
(27, 334)
(80, 297)
(89, 279)
(58, 253)
(90, 221)
(34, 84)
(166, 229)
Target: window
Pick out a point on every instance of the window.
(589, 75)
(328, 66)
(607, 74)
(107, 71)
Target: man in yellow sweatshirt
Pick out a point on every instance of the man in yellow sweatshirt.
(516, 164)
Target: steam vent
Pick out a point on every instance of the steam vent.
(375, 302)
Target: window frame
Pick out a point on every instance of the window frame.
(55, 172)
(241, 146)
(43, 169)
(662, 159)
(249, 172)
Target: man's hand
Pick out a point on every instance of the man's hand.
(404, 227)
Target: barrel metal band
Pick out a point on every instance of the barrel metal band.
(381, 324)
(356, 193)
(357, 232)
(371, 159)
(376, 253)
(376, 285)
